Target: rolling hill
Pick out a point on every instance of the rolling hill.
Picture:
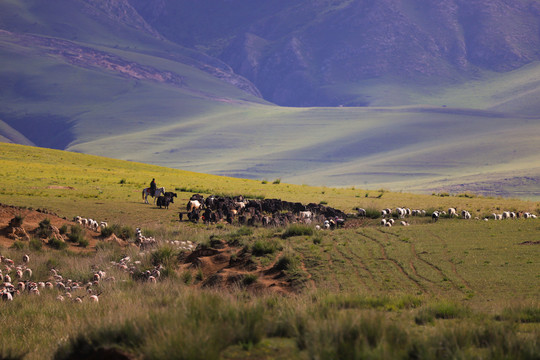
(156, 84)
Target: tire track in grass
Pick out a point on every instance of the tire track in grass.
(452, 265)
(329, 266)
(354, 265)
(363, 265)
(415, 257)
(396, 263)
(440, 271)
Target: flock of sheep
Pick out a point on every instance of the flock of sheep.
(401, 213)
(90, 223)
(17, 280)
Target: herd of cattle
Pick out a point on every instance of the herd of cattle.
(276, 212)
(258, 212)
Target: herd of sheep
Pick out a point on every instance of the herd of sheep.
(401, 213)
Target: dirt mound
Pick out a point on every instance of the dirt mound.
(225, 266)
(11, 230)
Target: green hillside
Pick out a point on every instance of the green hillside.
(450, 288)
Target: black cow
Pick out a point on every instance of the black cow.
(163, 201)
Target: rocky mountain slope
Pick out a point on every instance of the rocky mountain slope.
(297, 53)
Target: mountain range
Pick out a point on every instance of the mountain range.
(416, 95)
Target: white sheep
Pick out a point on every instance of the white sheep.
(452, 212)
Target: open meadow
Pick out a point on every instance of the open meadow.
(447, 289)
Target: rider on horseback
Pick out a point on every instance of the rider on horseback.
(153, 187)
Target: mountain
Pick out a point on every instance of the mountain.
(408, 95)
(303, 53)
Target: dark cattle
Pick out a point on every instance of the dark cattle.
(194, 215)
(170, 195)
(163, 201)
(198, 197)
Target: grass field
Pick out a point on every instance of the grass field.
(447, 289)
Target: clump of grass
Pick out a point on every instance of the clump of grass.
(76, 234)
(106, 231)
(297, 230)
(92, 344)
(262, 247)
(317, 239)
(187, 277)
(35, 244)
(236, 236)
(373, 213)
(123, 232)
(83, 242)
(522, 314)
(441, 310)
(277, 181)
(287, 262)
(249, 279)
(44, 230)
(57, 244)
(17, 221)
(17, 245)
(63, 229)
(164, 255)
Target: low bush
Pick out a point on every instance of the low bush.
(57, 244)
(297, 230)
(106, 231)
(17, 221)
(44, 230)
(17, 245)
(76, 234)
(35, 244)
(263, 247)
(249, 279)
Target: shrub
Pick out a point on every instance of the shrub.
(297, 230)
(83, 242)
(249, 279)
(123, 232)
(442, 310)
(63, 229)
(76, 234)
(17, 245)
(165, 256)
(35, 244)
(187, 277)
(263, 247)
(57, 244)
(373, 213)
(286, 262)
(17, 221)
(107, 231)
(44, 230)
(277, 181)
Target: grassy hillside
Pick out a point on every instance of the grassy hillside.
(136, 96)
(447, 288)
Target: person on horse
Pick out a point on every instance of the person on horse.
(153, 187)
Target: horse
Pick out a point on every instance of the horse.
(146, 192)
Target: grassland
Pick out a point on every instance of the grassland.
(449, 289)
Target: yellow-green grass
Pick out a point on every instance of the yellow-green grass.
(451, 288)
(91, 186)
